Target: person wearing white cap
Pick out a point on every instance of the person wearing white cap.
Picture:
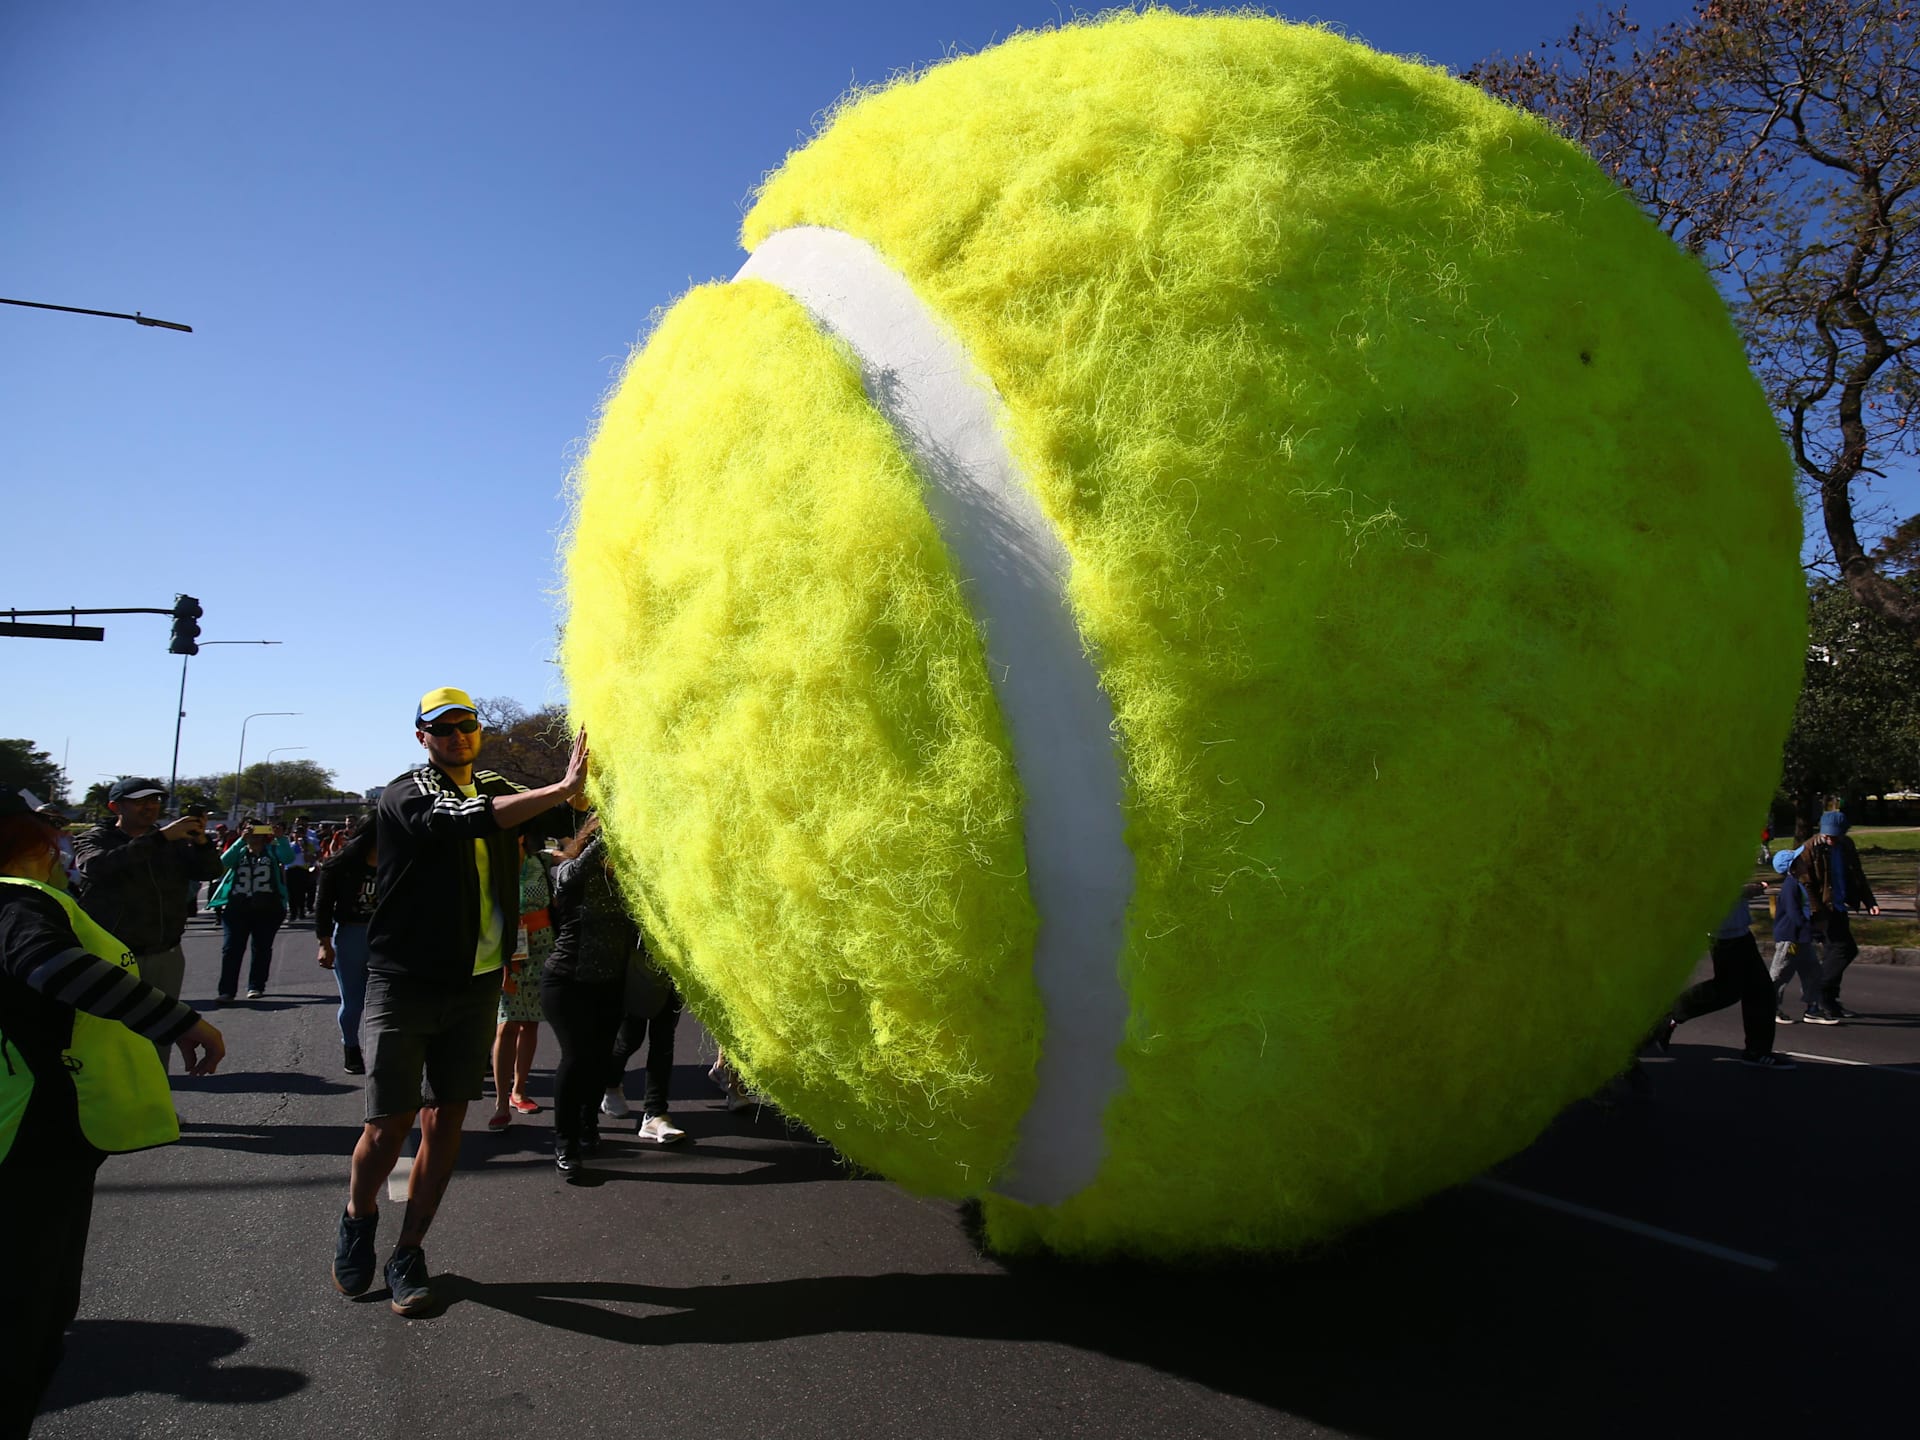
(446, 908)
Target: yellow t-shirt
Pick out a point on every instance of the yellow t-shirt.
(486, 955)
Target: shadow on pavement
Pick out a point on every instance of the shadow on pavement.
(1476, 1313)
(680, 1165)
(271, 1139)
(214, 1009)
(261, 1082)
(109, 1358)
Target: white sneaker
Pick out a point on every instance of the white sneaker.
(660, 1130)
(614, 1103)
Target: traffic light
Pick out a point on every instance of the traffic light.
(186, 626)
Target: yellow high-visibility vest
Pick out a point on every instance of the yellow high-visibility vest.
(125, 1102)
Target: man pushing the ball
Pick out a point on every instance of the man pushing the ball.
(444, 918)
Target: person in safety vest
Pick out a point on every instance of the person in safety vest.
(79, 1080)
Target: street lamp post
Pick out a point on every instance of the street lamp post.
(278, 750)
(173, 776)
(233, 816)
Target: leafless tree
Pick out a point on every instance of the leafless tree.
(1776, 140)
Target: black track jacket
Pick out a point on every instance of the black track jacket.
(426, 917)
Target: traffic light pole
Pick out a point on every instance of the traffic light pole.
(173, 801)
(173, 804)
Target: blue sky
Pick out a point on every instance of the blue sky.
(415, 243)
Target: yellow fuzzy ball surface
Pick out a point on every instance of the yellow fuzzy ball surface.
(1432, 542)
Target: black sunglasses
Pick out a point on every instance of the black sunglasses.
(444, 728)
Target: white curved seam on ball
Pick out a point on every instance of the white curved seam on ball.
(1060, 725)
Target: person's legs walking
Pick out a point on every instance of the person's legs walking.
(1714, 993)
(1837, 954)
(660, 1040)
(526, 1041)
(1749, 972)
(350, 976)
(584, 1019)
(263, 926)
(46, 1204)
(233, 945)
(432, 1168)
(164, 970)
(627, 1042)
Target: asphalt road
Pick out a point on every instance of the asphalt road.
(1732, 1254)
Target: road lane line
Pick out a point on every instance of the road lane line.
(397, 1181)
(1632, 1227)
(1866, 1064)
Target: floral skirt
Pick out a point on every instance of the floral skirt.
(520, 986)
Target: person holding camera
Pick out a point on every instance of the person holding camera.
(252, 901)
(134, 876)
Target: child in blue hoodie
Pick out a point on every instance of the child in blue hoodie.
(1794, 947)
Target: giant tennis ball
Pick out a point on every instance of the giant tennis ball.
(1193, 645)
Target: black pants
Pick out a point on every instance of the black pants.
(656, 1032)
(248, 922)
(46, 1206)
(299, 891)
(584, 1017)
(1739, 974)
(1837, 950)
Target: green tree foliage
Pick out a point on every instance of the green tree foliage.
(1856, 730)
(277, 781)
(1779, 141)
(24, 766)
(528, 747)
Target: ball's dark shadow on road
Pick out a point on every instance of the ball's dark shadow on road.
(110, 1358)
(1474, 1314)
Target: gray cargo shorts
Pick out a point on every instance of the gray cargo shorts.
(414, 1029)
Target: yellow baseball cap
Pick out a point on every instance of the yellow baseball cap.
(436, 703)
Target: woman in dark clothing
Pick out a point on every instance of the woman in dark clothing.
(652, 1016)
(72, 1004)
(583, 988)
(342, 904)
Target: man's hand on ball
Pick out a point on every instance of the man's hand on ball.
(575, 780)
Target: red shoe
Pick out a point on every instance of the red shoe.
(524, 1105)
(499, 1120)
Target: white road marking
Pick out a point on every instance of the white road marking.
(1632, 1227)
(1866, 1064)
(398, 1180)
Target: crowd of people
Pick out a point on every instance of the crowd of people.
(1822, 886)
(458, 919)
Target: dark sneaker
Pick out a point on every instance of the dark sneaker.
(353, 1262)
(1769, 1060)
(407, 1279)
(1662, 1036)
(356, 1063)
(1840, 1012)
(1780, 1017)
(566, 1157)
(1816, 1016)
